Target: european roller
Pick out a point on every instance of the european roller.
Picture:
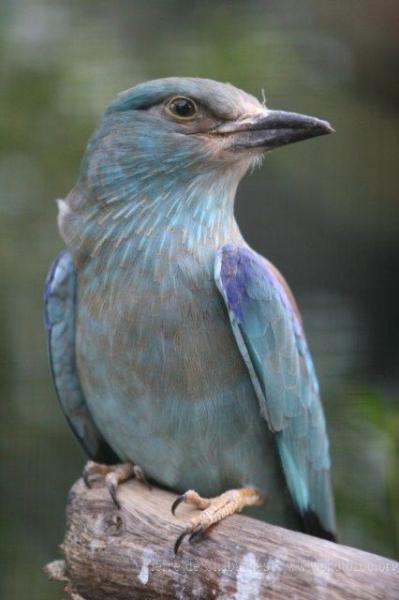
(178, 353)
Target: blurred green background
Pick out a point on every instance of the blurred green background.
(326, 212)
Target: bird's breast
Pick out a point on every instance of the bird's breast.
(160, 368)
(164, 380)
(161, 331)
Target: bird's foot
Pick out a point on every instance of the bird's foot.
(114, 475)
(214, 509)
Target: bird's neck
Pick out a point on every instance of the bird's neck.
(193, 219)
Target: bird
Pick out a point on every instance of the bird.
(178, 352)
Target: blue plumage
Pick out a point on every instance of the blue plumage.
(271, 341)
(148, 363)
(59, 302)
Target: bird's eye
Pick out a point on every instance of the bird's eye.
(182, 108)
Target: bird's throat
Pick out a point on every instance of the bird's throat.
(194, 219)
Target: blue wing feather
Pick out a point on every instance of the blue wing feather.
(59, 304)
(270, 338)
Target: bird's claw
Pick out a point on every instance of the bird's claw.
(114, 475)
(86, 478)
(196, 534)
(90, 468)
(214, 509)
(179, 540)
(112, 484)
(177, 502)
(193, 533)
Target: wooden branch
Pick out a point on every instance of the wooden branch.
(111, 554)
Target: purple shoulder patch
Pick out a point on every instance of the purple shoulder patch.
(243, 273)
(239, 265)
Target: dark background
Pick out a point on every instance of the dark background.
(325, 211)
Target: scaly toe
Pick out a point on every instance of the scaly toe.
(191, 497)
(114, 475)
(214, 510)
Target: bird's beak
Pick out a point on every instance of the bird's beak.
(274, 129)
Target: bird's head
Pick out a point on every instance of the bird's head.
(174, 132)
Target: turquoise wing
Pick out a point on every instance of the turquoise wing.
(271, 340)
(59, 308)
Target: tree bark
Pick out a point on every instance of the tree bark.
(128, 553)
